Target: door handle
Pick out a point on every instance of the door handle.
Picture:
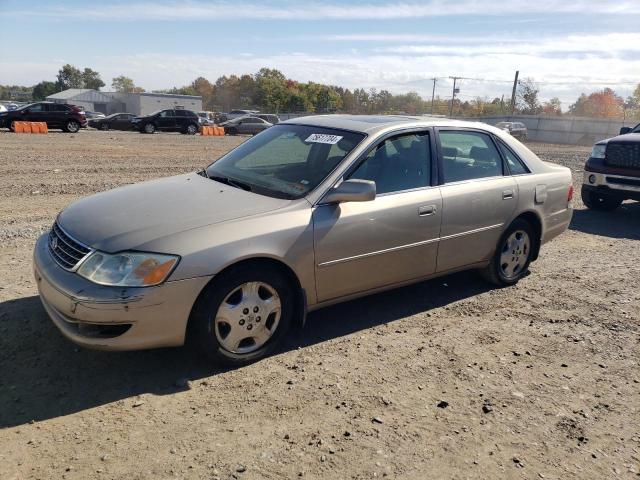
(426, 210)
(507, 194)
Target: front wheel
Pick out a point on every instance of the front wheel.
(599, 201)
(192, 129)
(513, 254)
(104, 126)
(243, 315)
(149, 128)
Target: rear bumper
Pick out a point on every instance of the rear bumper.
(113, 318)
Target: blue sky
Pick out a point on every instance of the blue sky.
(568, 47)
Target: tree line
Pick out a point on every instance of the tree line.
(271, 91)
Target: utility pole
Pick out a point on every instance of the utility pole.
(453, 95)
(513, 93)
(433, 93)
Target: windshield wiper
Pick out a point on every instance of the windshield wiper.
(231, 182)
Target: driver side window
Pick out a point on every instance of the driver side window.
(399, 163)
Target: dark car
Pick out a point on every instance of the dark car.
(69, 118)
(516, 129)
(612, 173)
(245, 125)
(116, 121)
(183, 121)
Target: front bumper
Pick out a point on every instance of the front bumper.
(621, 186)
(114, 318)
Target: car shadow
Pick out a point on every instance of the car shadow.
(624, 222)
(46, 376)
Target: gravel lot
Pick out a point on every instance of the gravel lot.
(445, 379)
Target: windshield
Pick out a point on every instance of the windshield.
(285, 161)
(636, 129)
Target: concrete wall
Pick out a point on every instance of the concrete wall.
(568, 130)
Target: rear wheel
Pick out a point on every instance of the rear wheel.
(149, 128)
(599, 201)
(512, 257)
(72, 126)
(243, 315)
(12, 126)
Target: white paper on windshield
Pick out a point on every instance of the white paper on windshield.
(323, 138)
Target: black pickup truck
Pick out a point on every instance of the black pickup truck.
(612, 173)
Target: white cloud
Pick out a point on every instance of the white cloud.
(397, 73)
(173, 10)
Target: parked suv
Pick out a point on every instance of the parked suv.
(183, 121)
(69, 118)
(516, 129)
(612, 173)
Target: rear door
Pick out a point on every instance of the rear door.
(361, 246)
(478, 197)
(58, 114)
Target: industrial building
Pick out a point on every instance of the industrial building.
(136, 103)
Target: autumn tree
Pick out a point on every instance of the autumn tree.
(552, 107)
(601, 104)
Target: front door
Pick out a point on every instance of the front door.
(166, 120)
(366, 245)
(478, 198)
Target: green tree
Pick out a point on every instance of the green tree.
(43, 89)
(527, 97)
(125, 85)
(91, 79)
(69, 77)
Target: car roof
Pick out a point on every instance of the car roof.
(371, 124)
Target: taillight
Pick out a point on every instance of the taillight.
(570, 194)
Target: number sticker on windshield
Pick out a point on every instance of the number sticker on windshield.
(323, 138)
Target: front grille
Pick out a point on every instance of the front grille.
(66, 251)
(626, 155)
(624, 181)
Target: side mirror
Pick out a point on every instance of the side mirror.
(351, 191)
(625, 130)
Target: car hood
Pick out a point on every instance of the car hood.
(130, 216)
(626, 138)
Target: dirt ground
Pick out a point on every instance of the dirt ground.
(447, 379)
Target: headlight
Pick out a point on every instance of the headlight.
(598, 151)
(128, 269)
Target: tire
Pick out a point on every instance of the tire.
(191, 129)
(513, 254)
(217, 323)
(12, 127)
(104, 126)
(72, 126)
(149, 128)
(598, 201)
(233, 131)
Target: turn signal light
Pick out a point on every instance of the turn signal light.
(570, 195)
